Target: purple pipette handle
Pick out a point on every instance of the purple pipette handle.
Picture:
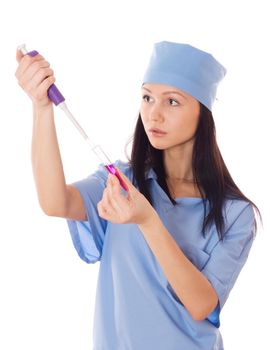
(54, 94)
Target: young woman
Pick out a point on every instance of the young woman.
(173, 245)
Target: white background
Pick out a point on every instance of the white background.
(99, 51)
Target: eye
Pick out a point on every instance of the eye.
(146, 98)
(171, 102)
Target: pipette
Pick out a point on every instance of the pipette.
(58, 99)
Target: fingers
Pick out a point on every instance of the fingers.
(115, 193)
(112, 193)
(105, 207)
(110, 207)
(40, 90)
(101, 211)
(35, 76)
(37, 80)
(37, 71)
(19, 55)
(25, 62)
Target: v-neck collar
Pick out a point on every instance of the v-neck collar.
(187, 201)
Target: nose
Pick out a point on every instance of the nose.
(155, 113)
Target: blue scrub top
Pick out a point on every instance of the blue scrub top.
(136, 308)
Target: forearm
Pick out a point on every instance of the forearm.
(46, 162)
(191, 286)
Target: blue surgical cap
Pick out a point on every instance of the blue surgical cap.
(187, 68)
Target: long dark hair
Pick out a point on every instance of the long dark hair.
(210, 172)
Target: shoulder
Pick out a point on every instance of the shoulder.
(235, 207)
(239, 213)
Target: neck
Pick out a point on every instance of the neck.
(179, 179)
(178, 163)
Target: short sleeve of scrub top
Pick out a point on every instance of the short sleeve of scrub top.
(226, 258)
(88, 236)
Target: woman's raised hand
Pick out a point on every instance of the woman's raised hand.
(35, 77)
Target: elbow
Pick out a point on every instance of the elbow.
(52, 211)
(54, 207)
(204, 311)
(199, 316)
(48, 211)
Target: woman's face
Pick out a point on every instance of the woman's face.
(172, 111)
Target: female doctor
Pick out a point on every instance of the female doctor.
(172, 246)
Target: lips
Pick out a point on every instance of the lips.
(157, 131)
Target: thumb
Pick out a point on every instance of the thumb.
(19, 55)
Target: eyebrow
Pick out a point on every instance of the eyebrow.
(166, 92)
